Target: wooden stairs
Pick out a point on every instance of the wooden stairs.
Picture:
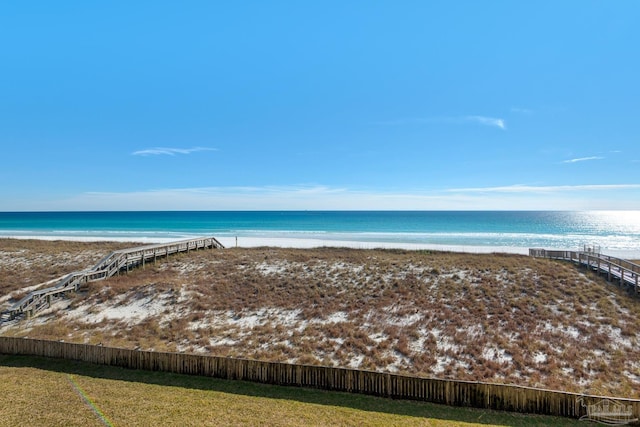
(114, 263)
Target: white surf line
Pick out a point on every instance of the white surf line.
(89, 402)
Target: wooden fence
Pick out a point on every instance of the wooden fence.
(448, 392)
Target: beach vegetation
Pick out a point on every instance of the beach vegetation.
(483, 317)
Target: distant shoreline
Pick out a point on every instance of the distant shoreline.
(253, 242)
(308, 243)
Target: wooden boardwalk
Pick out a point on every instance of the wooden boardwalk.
(118, 261)
(625, 272)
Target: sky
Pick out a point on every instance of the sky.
(320, 105)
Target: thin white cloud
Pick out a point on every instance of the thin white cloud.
(488, 121)
(583, 159)
(481, 120)
(156, 151)
(545, 189)
(319, 197)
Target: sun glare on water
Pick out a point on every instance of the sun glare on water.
(620, 221)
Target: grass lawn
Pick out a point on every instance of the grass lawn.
(51, 392)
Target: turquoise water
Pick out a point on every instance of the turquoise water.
(616, 232)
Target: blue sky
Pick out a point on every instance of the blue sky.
(319, 105)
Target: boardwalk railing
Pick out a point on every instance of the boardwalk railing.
(118, 261)
(449, 392)
(626, 272)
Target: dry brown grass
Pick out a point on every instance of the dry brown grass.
(499, 318)
(26, 263)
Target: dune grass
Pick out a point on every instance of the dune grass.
(25, 262)
(481, 317)
(40, 391)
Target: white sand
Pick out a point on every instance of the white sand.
(252, 242)
(248, 242)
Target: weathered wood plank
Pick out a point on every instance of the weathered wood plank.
(115, 262)
(626, 272)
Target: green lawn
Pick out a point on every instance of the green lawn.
(51, 392)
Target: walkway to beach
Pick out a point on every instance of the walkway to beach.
(114, 263)
(625, 272)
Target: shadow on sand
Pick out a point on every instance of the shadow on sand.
(304, 395)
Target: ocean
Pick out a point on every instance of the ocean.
(616, 233)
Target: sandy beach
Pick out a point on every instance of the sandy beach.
(300, 243)
(254, 242)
